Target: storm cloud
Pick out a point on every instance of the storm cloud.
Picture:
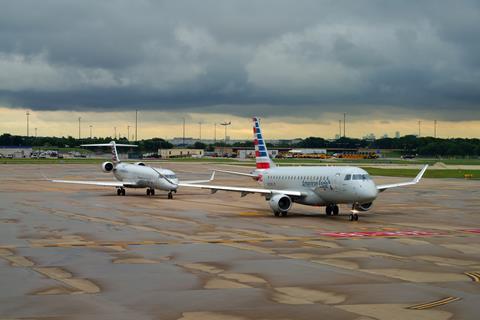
(300, 58)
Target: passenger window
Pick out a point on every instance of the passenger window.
(348, 177)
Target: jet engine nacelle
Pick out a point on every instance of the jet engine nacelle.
(280, 203)
(140, 164)
(107, 166)
(363, 206)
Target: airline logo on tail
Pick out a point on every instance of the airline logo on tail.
(114, 152)
(261, 153)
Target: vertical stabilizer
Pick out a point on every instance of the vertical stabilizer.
(262, 158)
(115, 157)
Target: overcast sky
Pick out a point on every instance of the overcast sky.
(300, 60)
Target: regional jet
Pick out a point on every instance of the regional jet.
(136, 175)
(314, 186)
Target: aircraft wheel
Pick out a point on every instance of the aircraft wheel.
(170, 195)
(277, 214)
(284, 214)
(123, 192)
(328, 210)
(119, 192)
(148, 192)
(152, 192)
(355, 216)
(352, 218)
(336, 210)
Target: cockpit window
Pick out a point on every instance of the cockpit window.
(361, 177)
(348, 177)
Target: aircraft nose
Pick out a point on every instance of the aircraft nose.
(174, 184)
(369, 192)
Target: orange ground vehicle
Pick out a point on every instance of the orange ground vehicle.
(358, 155)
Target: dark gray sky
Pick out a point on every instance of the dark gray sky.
(296, 58)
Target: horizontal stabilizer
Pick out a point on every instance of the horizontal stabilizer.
(108, 145)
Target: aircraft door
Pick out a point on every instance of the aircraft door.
(337, 182)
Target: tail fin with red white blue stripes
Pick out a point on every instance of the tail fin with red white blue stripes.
(262, 158)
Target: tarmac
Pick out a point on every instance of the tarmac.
(76, 252)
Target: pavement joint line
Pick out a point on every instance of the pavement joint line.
(432, 304)
(475, 276)
(197, 240)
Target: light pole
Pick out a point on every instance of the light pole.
(200, 127)
(28, 123)
(226, 124)
(183, 139)
(136, 124)
(79, 119)
(215, 133)
(90, 131)
(344, 121)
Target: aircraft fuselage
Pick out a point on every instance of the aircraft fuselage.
(323, 185)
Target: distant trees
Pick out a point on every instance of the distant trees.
(424, 146)
(199, 145)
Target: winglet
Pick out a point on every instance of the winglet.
(213, 176)
(420, 174)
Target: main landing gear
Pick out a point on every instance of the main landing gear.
(150, 192)
(332, 209)
(120, 191)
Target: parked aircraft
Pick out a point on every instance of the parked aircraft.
(136, 175)
(326, 186)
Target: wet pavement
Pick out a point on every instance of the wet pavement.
(75, 252)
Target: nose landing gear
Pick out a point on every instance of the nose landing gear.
(353, 217)
(170, 195)
(120, 191)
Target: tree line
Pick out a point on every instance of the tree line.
(410, 144)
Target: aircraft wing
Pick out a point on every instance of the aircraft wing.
(419, 176)
(242, 190)
(239, 173)
(200, 181)
(99, 183)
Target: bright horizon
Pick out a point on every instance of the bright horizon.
(168, 125)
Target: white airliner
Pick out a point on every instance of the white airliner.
(136, 175)
(314, 186)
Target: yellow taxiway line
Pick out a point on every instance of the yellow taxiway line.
(433, 304)
(475, 276)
